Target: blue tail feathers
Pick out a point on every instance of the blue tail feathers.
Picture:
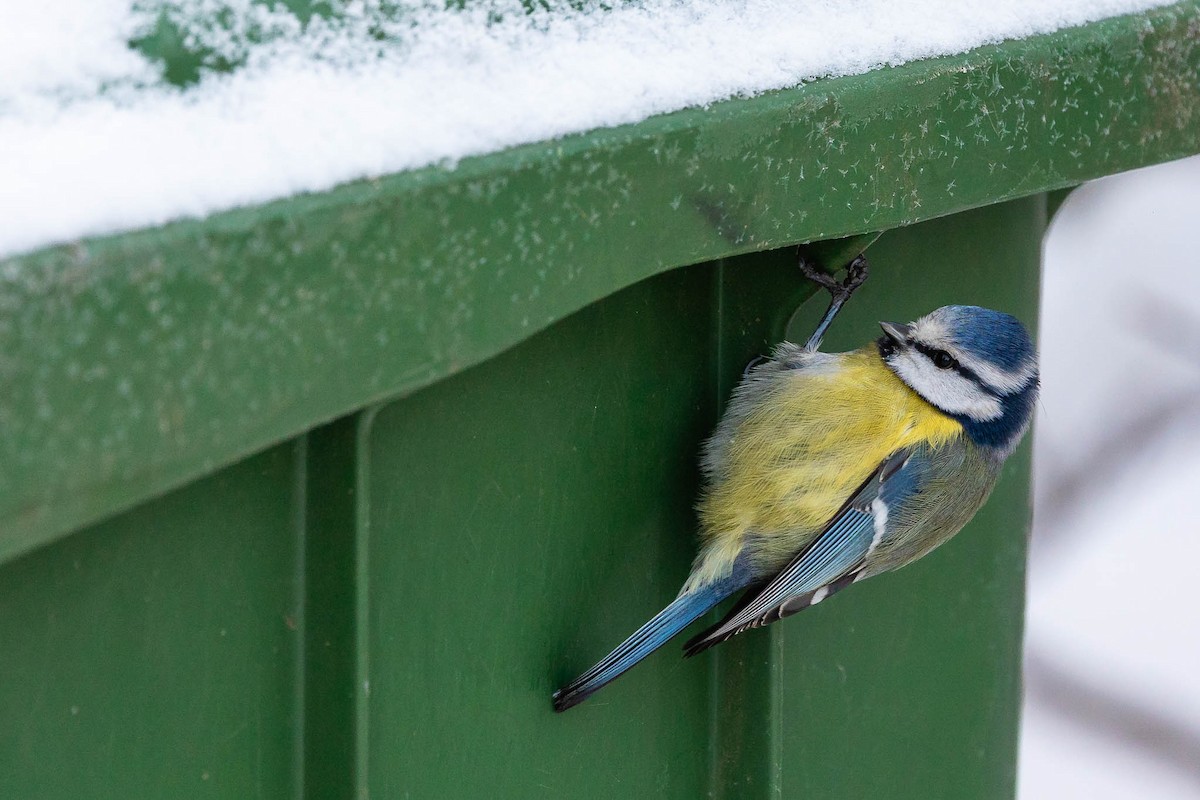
(645, 640)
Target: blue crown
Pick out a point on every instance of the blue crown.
(991, 336)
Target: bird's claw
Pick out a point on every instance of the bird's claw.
(856, 274)
(839, 291)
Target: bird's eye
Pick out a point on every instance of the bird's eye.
(942, 359)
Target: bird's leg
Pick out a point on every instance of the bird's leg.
(839, 291)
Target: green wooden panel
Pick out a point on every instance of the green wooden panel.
(133, 364)
(522, 517)
(158, 655)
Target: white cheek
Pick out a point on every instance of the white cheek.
(945, 388)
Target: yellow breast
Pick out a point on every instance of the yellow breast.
(806, 444)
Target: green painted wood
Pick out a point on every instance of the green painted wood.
(159, 654)
(545, 512)
(333, 593)
(134, 364)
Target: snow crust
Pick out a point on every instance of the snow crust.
(94, 139)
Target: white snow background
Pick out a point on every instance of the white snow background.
(95, 140)
(1112, 708)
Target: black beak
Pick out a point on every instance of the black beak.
(897, 332)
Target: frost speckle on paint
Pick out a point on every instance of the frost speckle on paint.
(120, 114)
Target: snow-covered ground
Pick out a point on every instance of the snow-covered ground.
(1113, 644)
(265, 103)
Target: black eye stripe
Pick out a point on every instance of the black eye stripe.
(930, 352)
(966, 372)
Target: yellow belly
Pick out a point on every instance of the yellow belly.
(808, 442)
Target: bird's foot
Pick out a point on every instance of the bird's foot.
(857, 272)
(839, 291)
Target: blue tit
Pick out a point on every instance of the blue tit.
(828, 468)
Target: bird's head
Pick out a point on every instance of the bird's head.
(974, 364)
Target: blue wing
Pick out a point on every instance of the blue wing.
(671, 620)
(834, 558)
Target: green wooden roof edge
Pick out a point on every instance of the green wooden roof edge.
(132, 364)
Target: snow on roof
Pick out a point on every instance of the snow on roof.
(100, 134)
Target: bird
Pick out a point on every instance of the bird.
(829, 468)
